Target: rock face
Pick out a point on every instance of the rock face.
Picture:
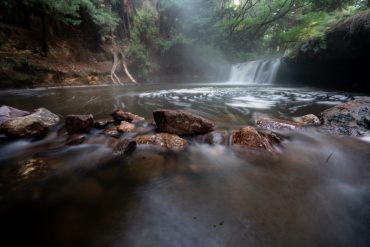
(76, 124)
(7, 113)
(120, 116)
(35, 124)
(165, 140)
(340, 60)
(120, 147)
(181, 122)
(249, 137)
(350, 118)
(126, 127)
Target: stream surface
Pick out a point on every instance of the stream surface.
(316, 192)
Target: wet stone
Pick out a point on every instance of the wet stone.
(181, 122)
(77, 124)
(251, 138)
(120, 147)
(102, 124)
(75, 139)
(8, 112)
(112, 132)
(126, 127)
(276, 124)
(164, 140)
(120, 116)
(35, 124)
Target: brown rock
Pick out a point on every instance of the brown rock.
(165, 140)
(250, 137)
(35, 124)
(102, 124)
(276, 124)
(181, 122)
(112, 132)
(126, 127)
(76, 124)
(119, 147)
(7, 113)
(218, 137)
(120, 116)
(308, 120)
(351, 118)
(75, 139)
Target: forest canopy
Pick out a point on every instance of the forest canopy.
(145, 29)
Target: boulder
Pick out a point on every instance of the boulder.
(35, 124)
(120, 147)
(350, 118)
(126, 127)
(120, 116)
(251, 138)
(181, 122)
(76, 124)
(7, 113)
(165, 140)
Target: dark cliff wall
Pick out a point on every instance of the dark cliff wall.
(341, 60)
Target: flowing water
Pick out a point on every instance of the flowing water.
(255, 72)
(315, 192)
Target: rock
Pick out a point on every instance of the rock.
(276, 124)
(308, 120)
(119, 147)
(7, 113)
(126, 127)
(76, 124)
(165, 140)
(349, 118)
(35, 124)
(249, 137)
(102, 124)
(181, 122)
(218, 137)
(75, 139)
(120, 116)
(112, 132)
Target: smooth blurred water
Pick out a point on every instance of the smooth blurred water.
(316, 192)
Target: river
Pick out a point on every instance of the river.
(315, 192)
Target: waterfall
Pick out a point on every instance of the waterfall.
(253, 72)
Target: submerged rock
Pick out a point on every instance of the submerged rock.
(7, 113)
(112, 132)
(35, 124)
(276, 124)
(165, 140)
(102, 124)
(126, 127)
(250, 137)
(119, 147)
(350, 118)
(120, 116)
(75, 139)
(181, 122)
(77, 124)
(217, 137)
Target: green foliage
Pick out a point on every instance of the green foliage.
(68, 11)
